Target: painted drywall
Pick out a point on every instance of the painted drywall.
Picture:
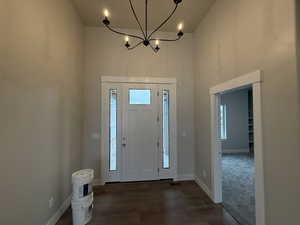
(237, 121)
(105, 55)
(41, 91)
(297, 11)
(237, 37)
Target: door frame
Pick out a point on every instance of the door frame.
(254, 80)
(115, 82)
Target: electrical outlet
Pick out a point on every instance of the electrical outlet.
(51, 202)
(204, 174)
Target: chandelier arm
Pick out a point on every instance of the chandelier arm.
(153, 48)
(133, 47)
(146, 18)
(164, 22)
(122, 33)
(178, 38)
(137, 19)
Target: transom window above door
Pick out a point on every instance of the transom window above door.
(140, 96)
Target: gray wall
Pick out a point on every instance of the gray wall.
(237, 121)
(297, 10)
(105, 55)
(41, 64)
(237, 37)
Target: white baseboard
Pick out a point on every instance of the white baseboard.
(239, 150)
(54, 219)
(204, 187)
(184, 177)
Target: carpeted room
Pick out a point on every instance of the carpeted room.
(238, 166)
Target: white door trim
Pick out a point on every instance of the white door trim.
(144, 80)
(116, 82)
(239, 82)
(253, 79)
(107, 176)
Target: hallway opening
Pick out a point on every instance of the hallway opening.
(238, 162)
(254, 144)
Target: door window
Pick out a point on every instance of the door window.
(139, 97)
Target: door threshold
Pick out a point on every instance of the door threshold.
(140, 181)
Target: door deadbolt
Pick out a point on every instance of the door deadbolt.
(124, 142)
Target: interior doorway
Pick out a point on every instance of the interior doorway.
(138, 129)
(238, 171)
(253, 81)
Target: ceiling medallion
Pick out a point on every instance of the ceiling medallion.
(147, 38)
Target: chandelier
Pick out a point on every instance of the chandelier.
(147, 37)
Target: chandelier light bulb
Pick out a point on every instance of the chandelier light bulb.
(106, 13)
(127, 45)
(156, 49)
(180, 26)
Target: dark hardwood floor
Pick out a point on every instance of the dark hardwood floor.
(154, 203)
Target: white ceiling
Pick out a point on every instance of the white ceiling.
(190, 12)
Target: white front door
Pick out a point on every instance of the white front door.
(138, 131)
(140, 135)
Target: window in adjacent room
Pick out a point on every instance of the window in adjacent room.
(223, 122)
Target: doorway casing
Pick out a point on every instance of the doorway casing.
(254, 80)
(115, 82)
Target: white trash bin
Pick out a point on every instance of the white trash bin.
(82, 210)
(82, 183)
